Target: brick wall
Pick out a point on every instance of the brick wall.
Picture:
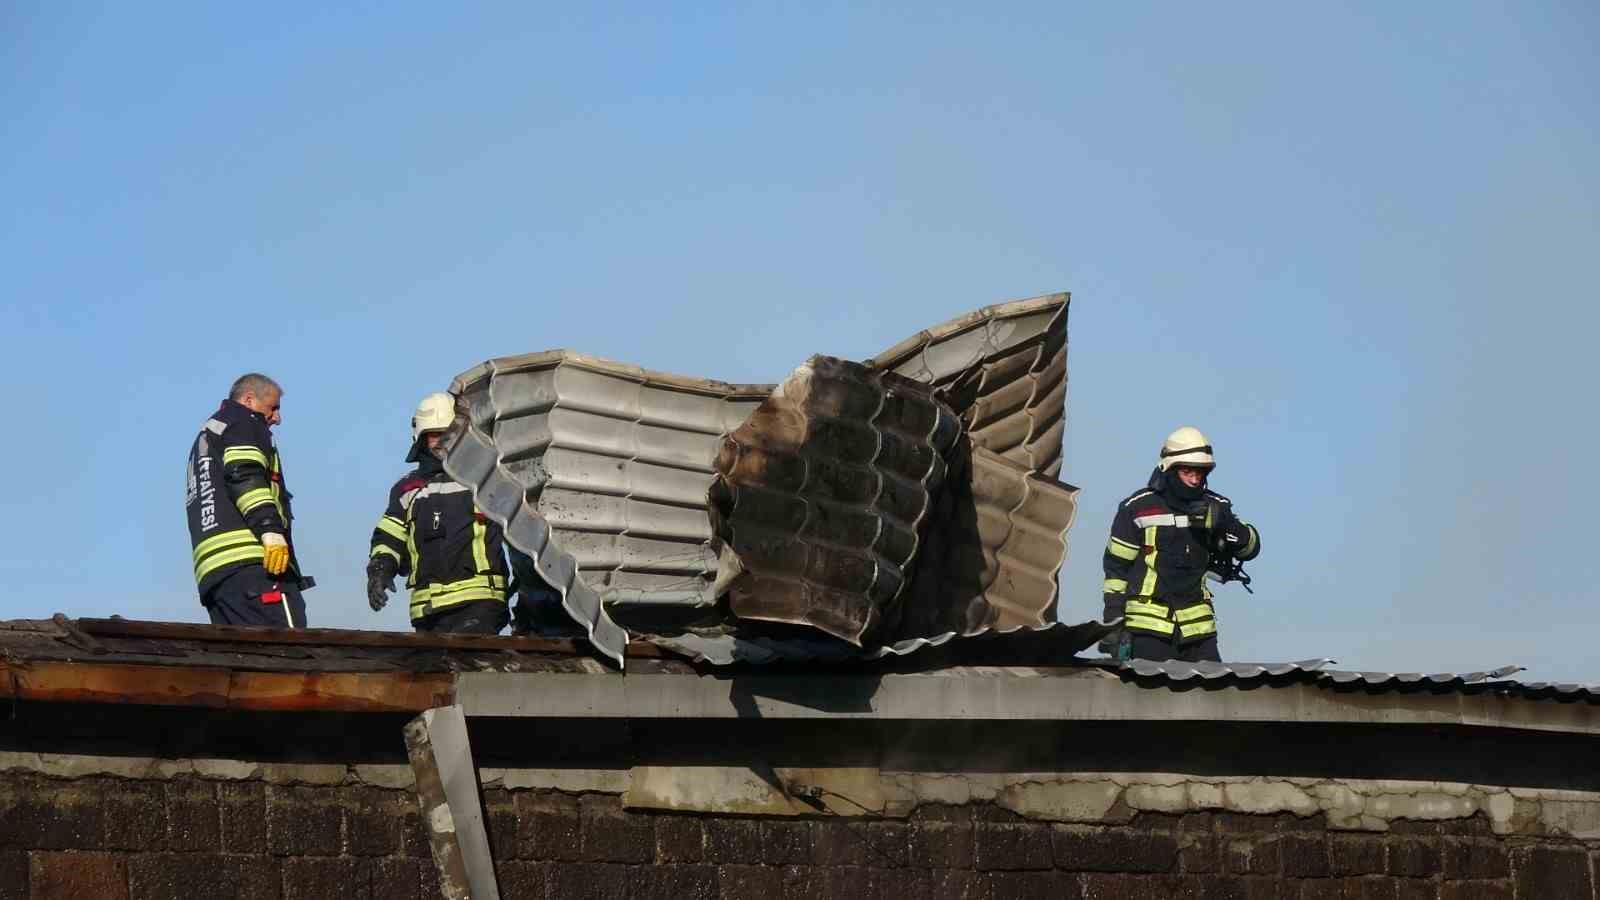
(114, 838)
(110, 839)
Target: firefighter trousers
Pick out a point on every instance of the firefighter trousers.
(249, 596)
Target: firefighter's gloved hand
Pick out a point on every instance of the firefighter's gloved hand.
(1117, 644)
(1220, 522)
(1217, 516)
(277, 557)
(381, 570)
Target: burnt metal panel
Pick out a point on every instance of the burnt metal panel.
(996, 541)
(1059, 641)
(822, 493)
(598, 472)
(1003, 368)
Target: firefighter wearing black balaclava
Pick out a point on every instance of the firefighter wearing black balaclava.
(1164, 539)
(433, 533)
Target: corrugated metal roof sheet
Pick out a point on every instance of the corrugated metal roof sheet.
(723, 647)
(598, 471)
(1319, 670)
(995, 544)
(821, 495)
(1003, 369)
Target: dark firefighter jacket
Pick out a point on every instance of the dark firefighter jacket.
(1157, 557)
(235, 494)
(450, 553)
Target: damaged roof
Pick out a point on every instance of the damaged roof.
(600, 471)
(168, 663)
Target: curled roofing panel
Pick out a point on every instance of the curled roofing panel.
(821, 496)
(1003, 369)
(995, 544)
(598, 471)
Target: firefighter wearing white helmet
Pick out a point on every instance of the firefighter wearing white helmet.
(1164, 540)
(433, 533)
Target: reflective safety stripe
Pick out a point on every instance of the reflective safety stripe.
(231, 455)
(227, 557)
(225, 539)
(215, 426)
(277, 487)
(1137, 606)
(465, 595)
(253, 498)
(1148, 623)
(1164, 520)
(1122, 549)
(385, 548)
(411, 548)
(435, 597)
(1194, 620)
(392, 527)
(439, 590)
(441, 487)
(223, 549)
(1148, 587)
(1250, 545)
(480, 545)
(1114, 586)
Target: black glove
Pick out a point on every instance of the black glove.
(1116, 644)
(381, 570)
(1218, 523)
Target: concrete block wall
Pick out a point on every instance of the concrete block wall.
(111, 838)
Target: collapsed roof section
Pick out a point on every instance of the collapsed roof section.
(829, 487)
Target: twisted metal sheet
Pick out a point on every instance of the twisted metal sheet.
(1003, 368)
(821, 496)
(598, 471)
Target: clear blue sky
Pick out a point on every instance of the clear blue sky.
(1358, 245)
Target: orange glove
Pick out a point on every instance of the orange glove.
(277, 558)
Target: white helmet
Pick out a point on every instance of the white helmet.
(1186, 447)
(434, 413)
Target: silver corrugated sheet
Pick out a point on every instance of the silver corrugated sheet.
(724, 648)
(821, 496)
(1174, 670)
(1003, 369)
(598, 471)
